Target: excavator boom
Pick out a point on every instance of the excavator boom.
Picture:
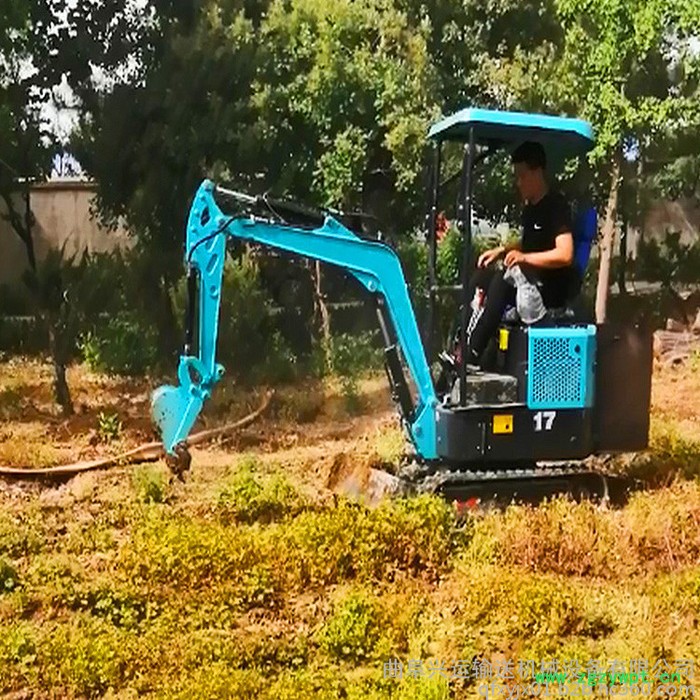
(374, 264)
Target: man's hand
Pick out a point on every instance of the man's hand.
(489, 256)
(515, 257)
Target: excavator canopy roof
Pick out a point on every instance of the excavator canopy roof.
(495, 129)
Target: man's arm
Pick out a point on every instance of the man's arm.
(489, 256)
(562, 255)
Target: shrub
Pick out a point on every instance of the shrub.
(655, 530)
(10, 403)
(317, 547)
(170, 550)
(300, 404)
(543, 607)
(23, 335)
(558, 536)
(670, 454)
(351, 355)
(250, 345)
(414, 260)
(390, 444)
(9, 580)
(415, 536)
(124, 344)
(150, 484)
(217, 680)
(247, 496)
(677, 592)
(351, 632)
(57, 576)
(278, 363)
(413, 253)
(84, 657)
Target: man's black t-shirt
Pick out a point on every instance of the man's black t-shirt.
(542, 223)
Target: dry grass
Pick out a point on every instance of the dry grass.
(251, 581)
(656, 532)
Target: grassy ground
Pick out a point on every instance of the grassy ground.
(251, 580)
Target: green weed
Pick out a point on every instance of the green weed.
(248, 496)
(352, 631)
(109, 427)
(260, 587)
(150, 484)
(18, 654)
(670, 455)
(21, 533)
(9, 579)
(120, 606)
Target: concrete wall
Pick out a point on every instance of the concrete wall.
(682, 215)
(62, 210)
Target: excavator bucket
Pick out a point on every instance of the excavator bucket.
(174, 411)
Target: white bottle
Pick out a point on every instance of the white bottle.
(528, 299)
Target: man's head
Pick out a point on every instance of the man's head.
(530, 163)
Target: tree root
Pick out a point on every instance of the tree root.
(147, 452)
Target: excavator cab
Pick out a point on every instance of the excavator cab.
(559, 392)
(554, 390)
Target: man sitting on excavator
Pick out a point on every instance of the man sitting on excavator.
(545, 253)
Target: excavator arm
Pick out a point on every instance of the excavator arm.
(374, 264)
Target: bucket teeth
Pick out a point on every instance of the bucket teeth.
(179, 462)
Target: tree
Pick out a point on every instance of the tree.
(615, 64)
(294, 100)
(26, 75)
(330, 101)
(24, 139)
(176, 110)
(616, 68)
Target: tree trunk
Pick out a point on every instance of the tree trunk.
(22, 225)
(323, 320)
(56, 347)
(606, 244)
(160, 312)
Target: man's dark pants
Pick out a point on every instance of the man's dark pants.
(499, 295)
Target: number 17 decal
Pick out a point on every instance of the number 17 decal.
(544, 420)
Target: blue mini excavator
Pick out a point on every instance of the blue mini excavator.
(561, 390)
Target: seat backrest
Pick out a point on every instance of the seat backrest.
(585, 230)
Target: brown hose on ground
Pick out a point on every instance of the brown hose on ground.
(144, 453)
